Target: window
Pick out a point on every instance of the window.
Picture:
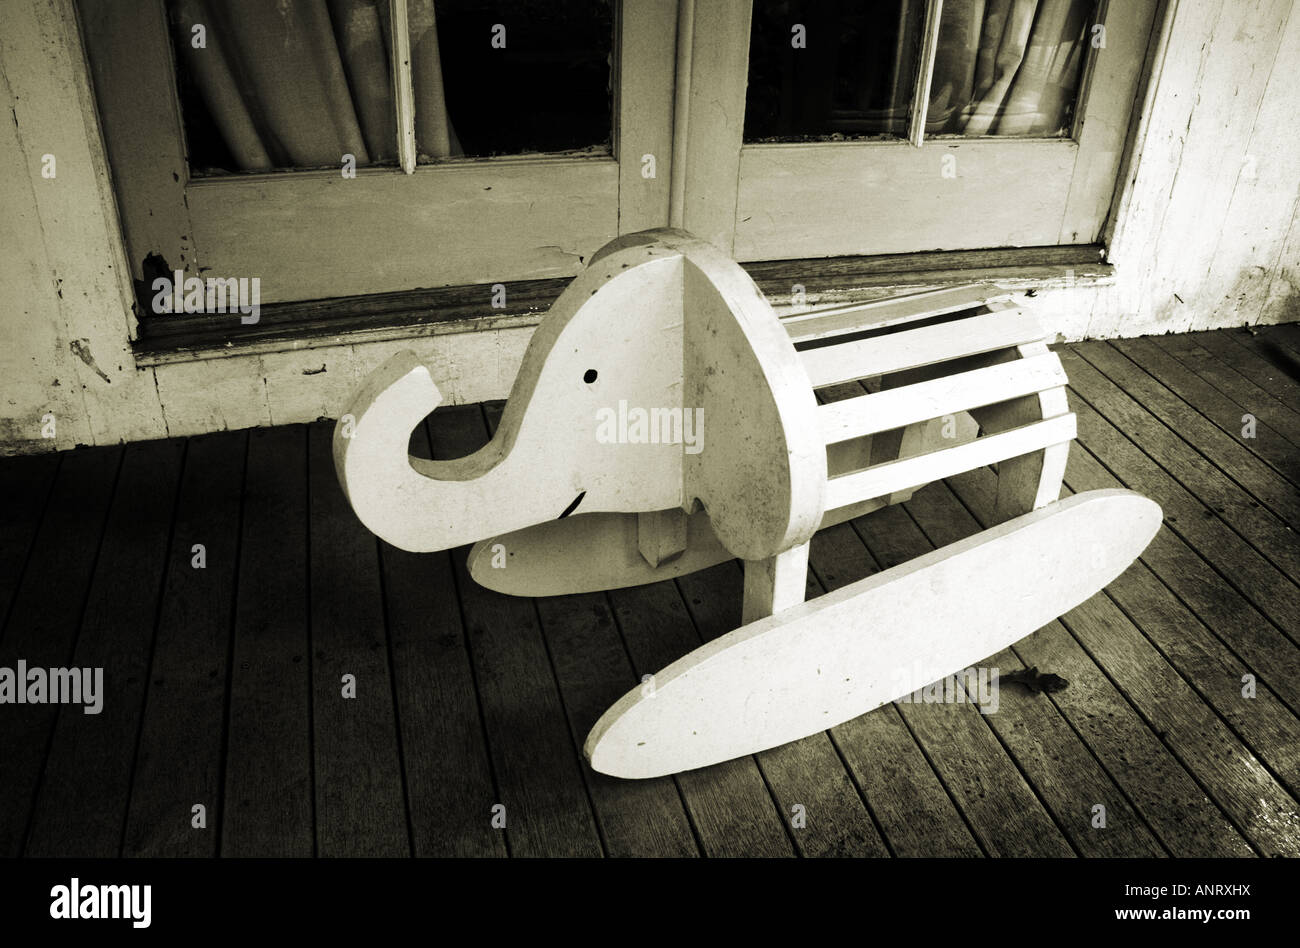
(504, 140)
(356, 147)
(899, 127)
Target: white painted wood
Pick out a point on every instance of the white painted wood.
(1126, 219)
(72, 226)
(889, 197)
(892, 311)
(137, 100)
(230, 401)
(460, 222)
(1111, 81)
(823, 662)
(646, 48)
(762, 471)
(1250, 247)
(894, 408)
(593, 552)
(549, 456)
(935, 435)
(1028, 481)
(1282, 304)
(718, 47)
(661, 535)
(918, 438)
(774, 584)
(881, 479)
(34, 333)
(66, 323)
(403, 90)
(472, 221)
(1213, 158)
(848, 361)
(585, 553)
(685, 52)
(568, 431)
(925, 72)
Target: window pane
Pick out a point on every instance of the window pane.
(305, 83)
(831, 69)
(1009, 67)
(517, 76)
(293, 84)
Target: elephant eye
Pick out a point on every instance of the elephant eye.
(589, 376)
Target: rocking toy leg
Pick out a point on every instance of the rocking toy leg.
(775, 583)
(897, 444)
(661, 535)
(1032, 480)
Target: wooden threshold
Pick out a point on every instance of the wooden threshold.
(455, 309)
(849, 279)
(345, 320)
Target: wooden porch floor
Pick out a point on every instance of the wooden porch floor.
(223, 684)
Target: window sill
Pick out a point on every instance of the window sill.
(313, 324)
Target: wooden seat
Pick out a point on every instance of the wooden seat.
(990, 363)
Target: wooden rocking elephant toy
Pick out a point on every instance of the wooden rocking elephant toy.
(664, 419)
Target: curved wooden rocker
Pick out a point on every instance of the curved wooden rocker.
(664, 420)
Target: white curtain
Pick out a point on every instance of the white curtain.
(300, 83)
(1008, 67)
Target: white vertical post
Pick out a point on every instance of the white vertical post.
(925, 71)
(403, 91)
(774, 584)
(681, 112)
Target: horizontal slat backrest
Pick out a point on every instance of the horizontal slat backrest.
(883, 479)
(913, 348)
(877, 314)
(909, 404)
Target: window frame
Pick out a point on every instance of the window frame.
(769, 201)
(315, 235)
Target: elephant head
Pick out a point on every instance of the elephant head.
(658, 324)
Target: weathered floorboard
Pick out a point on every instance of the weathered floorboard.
(223, 683)
(1242, 389)
(179, 755)
(1228, 415)
(808, 773)
(26, 482)
(267, 804)
(360, 803)
(1263, 483)
(43, 622)
(83, 801)
(547, 808)
(449, 782)
(1272, 538)
(1056, 762)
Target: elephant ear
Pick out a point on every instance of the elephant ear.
(761, 473)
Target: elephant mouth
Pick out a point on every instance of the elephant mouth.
(573, 506)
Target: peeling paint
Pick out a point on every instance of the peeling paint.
(81, 349)
(553, 250)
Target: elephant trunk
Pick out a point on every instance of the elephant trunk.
(413, 503)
